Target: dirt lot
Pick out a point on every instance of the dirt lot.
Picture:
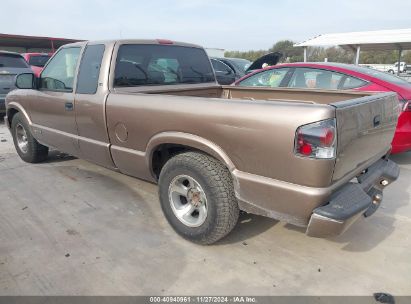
(70, 227)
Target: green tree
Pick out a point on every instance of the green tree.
(290, 53)
(407, 57)
(388, 57)
(249, 55)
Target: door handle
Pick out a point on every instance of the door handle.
(69, 106)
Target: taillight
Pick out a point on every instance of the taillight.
(317, 140)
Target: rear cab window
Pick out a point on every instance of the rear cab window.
(12, 61)
(155, 64)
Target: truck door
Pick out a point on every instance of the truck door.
(90, 100)
(52, 109)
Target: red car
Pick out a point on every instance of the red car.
(339, 76)
(37, 61)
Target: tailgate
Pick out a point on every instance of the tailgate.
(365, 128)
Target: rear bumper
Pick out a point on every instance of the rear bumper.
(353, 200)
(302, 205)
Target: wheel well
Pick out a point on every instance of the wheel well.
(10, 114)
(163, 153)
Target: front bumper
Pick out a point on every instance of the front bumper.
(353, 200)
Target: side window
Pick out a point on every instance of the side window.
(315, 79)
(90, 69)
(60, 72)
(221, 67)
(352, 83)
(269, 78)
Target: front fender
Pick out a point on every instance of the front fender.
(10, 106)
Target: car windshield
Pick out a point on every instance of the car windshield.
(241, 64)
(12, 61)
(39, 60)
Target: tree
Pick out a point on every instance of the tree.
(290, 53)
(388, 57)
(249, 55)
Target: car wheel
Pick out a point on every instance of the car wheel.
(28, 148)
(391, 71)
(197, 197)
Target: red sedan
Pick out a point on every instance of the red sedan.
(37, 61)
(340, 76)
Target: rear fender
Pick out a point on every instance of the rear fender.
(189, 140)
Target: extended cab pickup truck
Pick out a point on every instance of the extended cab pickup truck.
(152, 109)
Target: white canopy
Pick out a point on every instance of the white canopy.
(370, 40)
(384, 40)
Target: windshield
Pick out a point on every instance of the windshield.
(12, 61)
(39, 60)
(161, 65)
(241, 64)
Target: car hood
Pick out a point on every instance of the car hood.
(270, 59)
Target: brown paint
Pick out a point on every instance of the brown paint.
(250, 130)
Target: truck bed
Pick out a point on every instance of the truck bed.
(355, 113)
(251, 93)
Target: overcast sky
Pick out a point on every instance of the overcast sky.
(228, 24)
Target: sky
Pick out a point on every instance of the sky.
(227, 24)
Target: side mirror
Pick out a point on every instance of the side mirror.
(25, 81)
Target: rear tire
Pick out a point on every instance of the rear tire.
(28, 148)
(197, 197)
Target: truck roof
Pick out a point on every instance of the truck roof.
(136, 41)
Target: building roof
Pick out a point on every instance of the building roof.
(30, 42)
(369, 40)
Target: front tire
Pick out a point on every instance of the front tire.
(28, 148)
(197, 197)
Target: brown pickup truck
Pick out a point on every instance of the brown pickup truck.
(152, 109)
